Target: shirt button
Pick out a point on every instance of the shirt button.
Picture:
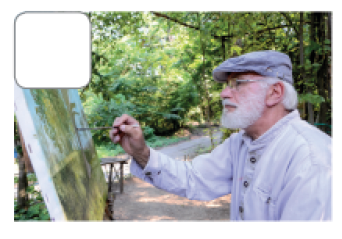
(253, 160)
(268, 200)
(245, 183)
(241, 209)
(148, 173)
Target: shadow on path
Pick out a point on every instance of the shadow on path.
(141, 201)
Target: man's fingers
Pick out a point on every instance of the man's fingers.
(114, 131)
(124, 119)
(125, 125)
(114, 135)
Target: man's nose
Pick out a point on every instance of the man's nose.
(226, 93)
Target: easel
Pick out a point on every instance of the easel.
(109, 210)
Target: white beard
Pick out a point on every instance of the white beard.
(246, 113)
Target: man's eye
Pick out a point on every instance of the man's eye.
(238, 83)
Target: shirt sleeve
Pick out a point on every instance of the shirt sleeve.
(207, 177)
(307, 196)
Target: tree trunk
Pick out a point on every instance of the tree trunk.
(302, 69)
(208, 107)
(223, 49)
(321, 76)
(22, 197)
(26, 157)
(206, 90)
(312, 59)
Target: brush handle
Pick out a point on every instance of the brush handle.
(99, 128)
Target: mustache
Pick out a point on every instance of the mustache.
(227, 102)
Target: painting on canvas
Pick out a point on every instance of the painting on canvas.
(64, 159)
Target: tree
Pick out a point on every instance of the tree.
(22, 196)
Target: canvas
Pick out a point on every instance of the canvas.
(64, 159)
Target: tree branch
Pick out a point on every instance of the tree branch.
(174, 20)
(290, 21)
(183, 23)
(272, 28)
(224, 37)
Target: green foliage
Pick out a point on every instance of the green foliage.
(102, 113)
(159, 141)
(226, 133)
(36, 209)
(150, 64)
(110, 149)
(148, 132)
(203, 150)
(310, 98)
(141, 67)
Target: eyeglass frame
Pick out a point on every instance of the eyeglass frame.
(237, 80)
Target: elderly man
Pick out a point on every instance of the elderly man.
(277, 167)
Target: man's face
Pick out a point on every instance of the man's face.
(244, 105)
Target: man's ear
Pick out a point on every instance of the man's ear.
(275, 94)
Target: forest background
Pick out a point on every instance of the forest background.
(157, 67)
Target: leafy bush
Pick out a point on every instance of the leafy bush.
(148, 132)
(36, 209)
(100, 113)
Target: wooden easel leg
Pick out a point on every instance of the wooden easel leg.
(108, 211)
(110, 197)
(121, 177)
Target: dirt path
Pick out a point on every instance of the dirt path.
(141, 201)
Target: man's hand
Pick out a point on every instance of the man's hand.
(130, 138)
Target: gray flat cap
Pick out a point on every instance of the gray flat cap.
(266, 63)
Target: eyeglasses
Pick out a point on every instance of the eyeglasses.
(235, 83)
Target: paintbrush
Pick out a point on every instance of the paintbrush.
(99, 128)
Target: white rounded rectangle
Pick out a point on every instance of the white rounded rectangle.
(52, 50)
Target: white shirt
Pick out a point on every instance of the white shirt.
(285, 174)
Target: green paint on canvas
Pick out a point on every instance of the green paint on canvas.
(82, 195)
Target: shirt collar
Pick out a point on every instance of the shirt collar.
(270, 134)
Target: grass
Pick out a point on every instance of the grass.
(160, 141)
(110, 149)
